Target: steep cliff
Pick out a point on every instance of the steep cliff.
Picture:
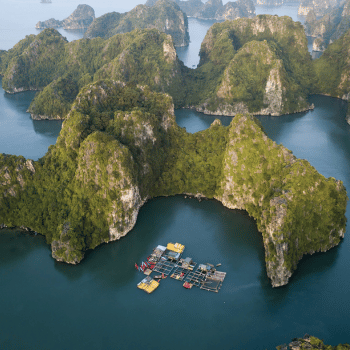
(284, 194)
(165, 15)
(120, 145)
(80, 19)
(333, 69)
(258, 65)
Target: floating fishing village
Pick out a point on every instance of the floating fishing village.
(168, 261)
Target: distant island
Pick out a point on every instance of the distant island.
(165, 15)
(80, 19)
(214, 9)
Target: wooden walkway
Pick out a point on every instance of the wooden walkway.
(195, 277)
(213, 282)
(164, 266)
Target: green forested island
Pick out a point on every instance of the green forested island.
(258, 66)
(120, 145)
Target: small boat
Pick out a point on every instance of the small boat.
(188, 285)
(158, 277)
(217, 265)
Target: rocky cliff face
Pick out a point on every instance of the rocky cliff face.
(80, 19)
(166, 16)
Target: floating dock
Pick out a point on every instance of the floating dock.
(167, 261)
(148, 284)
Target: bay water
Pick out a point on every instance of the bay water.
(96, 305)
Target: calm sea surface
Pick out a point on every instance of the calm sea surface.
(96, 305)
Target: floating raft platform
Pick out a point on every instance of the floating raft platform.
(148, 284)
(167, 261)
(164, 266)
(213, 282)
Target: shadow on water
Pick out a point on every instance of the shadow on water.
(195, 121)
(50, 128)
(274, 126)
(20, 101)
(16, 245)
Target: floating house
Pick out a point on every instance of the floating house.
(177, 247)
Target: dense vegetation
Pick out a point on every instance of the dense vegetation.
(48, 62)
(121, 145)
(165, 15)
(223, 42)
(309, 343)
(332, 68)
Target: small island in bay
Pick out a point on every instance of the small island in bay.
(80, 19)
(165, 15)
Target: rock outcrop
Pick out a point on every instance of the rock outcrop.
(80, 19)
(165, 15)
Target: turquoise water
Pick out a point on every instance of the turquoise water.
(96, 305)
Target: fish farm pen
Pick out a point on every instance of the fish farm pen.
(168, 261)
